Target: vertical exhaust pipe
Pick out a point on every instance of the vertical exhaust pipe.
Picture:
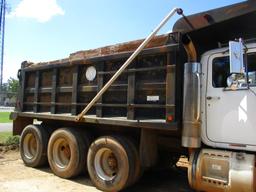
(190, 48)
(191, 136)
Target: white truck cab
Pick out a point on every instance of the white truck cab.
(228, 103)
(227, 115)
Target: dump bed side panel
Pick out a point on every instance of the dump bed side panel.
(145, 91)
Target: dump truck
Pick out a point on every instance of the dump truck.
(119, 110)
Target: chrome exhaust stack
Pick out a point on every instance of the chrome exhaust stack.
(191, 137)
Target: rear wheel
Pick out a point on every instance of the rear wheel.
(111, 163)
(33, 145)
(137, 163)
(66, 153)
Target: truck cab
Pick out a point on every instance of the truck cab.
(227, 108)
(228, 115)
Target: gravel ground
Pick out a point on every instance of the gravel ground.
(14, 176)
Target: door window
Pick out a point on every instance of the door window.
(220, 71)
(251, 60)
(221, 68)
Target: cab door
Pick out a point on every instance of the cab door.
(230, 115)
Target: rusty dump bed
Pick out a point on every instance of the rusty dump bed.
(145, 95)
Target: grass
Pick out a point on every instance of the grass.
(12, 140)
(4, 117)
(6, 138)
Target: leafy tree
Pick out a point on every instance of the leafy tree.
(4, 87)
(12, 85)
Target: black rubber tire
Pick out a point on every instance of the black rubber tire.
(138, 172)
(76, 151)
(125, 158)
(41, 137)
(87, 140)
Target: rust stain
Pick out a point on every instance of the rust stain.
(104, 51)
(237, 9)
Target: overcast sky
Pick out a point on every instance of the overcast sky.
(43, 30)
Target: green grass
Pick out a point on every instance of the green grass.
(4, 117)
(4, 137)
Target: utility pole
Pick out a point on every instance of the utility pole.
(2, 30)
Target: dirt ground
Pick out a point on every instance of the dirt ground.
(14, 176)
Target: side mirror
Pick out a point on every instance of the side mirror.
(236, 50)
(236, 81)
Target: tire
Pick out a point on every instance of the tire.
(33, 145)
(111, 163)
(66, 153)
(137, 163)
(87, 140)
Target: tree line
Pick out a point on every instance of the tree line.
(8, 92)
(11, 86)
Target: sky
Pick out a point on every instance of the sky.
(45, 30)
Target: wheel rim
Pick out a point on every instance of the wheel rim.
(61, 153)
(30, 146)
(106, 164)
